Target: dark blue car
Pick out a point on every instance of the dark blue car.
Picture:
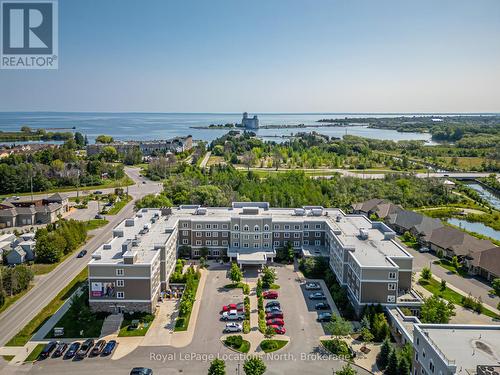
(110, 346)
(73, 348)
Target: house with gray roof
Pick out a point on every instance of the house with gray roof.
(16, 256)
(485, 263)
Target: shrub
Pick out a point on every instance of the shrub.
(337, 347)
(234, 341)
(426, 273)
(269, 345)
(246, 326)
(246, 289)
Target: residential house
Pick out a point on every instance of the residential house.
(16, 256)
(485, 263)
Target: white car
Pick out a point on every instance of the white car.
(233, 327)
(231, 315)
(424, 250)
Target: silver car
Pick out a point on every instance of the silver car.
(233, 327)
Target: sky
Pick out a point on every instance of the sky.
(275, 56)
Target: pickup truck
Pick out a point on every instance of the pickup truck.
(232, 315)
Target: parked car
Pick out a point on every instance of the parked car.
(60, 349)
(274, 315)
(97, 192)
(280, 330)
(231, 315)
(424, 250)
(48, 348)
(313, 286)
(141, 371)
(322, 306)
(233, 327)
(73, 348)
(317, 295)
(275, 321)
(233, 306)
(84, 349)
(270, 294)
(324, 317)
(97, 349)
(273, 309)
(273, 303)
(82, 253)
(110, 346)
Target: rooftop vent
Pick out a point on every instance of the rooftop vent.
(363, 233)
(317, 211)
(299, 212)
(106, 246)
(96, 255)
(129, 222)
(389, 235)
(250, 210)
(201, 211)
(338, 218)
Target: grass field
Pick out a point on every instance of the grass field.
(23, 336)
(117, 207)
(96, 223)
(10, 300)
(450, 295)
(269, 346)
(35, 353)
(145, 322)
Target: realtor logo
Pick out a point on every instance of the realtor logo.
(29, 35)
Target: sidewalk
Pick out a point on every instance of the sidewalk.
(20, 353)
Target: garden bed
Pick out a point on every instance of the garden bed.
(269, 346)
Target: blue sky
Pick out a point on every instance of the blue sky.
(268, 56)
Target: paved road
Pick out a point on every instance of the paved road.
(204, 162)
(46, 288)
(468, 284)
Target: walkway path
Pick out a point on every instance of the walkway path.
(204, 162)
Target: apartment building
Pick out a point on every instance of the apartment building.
(127, 273)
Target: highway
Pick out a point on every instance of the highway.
(47, 287)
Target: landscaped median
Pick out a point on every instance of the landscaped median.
(29, 330)
(192, 279)
(237, 343)
(271, 345)
(35, 353)
(241, 285)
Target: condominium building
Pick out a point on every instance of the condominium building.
(127, 273)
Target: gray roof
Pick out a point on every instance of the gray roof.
(488, 260)
(461, 243)
(368, 205)
(428, 225)
(26, 210)
(8, 212)
(406, 219)
(56, 197)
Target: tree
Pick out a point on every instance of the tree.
(217, 367)
(426, 273)
(268, 276)
(455, 262)
(443, 285)
(346, 370)
(380, 327)
(153, 201)
(204, 252)
(108, 153)
(47, 250)
(366, 335)
(270, 332)
(385, 351)
(254, 366)
(258, 289)
(496, 286)
(104, 139)
(404, 367)
(248, 159)
(338, 326)
(392, 364)
(285, 253)
(235, 273)
(133, 156)
(436, 310)
(79, 139)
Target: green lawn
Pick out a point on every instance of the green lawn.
(450, 295)
(117, 207)
(96, 223)
(10, 300)
(244, 348)
(35, 353)
(8, 358)
(446, 264)
(145, 322)
(29, 329)
(269, 346)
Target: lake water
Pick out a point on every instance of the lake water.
(149, 126)
(486, 194)
(476, 227)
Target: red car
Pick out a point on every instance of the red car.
(270, 294)
(233, 306)
(276, 321)
(274, 315)
(280, 330)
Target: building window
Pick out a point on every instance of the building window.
(184, 225)
(306, 242)
(246, 228)
(120, 295)
(224, 234)
(317, 226)
(185, 241)
(236, 236)
(392, 275)
(209, 226)
(215, 226)
(208, 234)
(266, 236)
(306, 234)
(287, 234)
(224, 226)
(276, 227)
(276, 243)
(215, 253)
(256, 228)
(317, 234)
(306, 226)
(198, 242)
(317, 243)
(245, 245)
(256, 237)
(296, 227)
(120, 283)
(224, 243)
(391, 286)
(391, 299)
(215, 243)
(246, 236)
(236, 244)
(119, 272)
(215, 234)
(198, 226)
(256, 245)
(266, 244)
(208, 243)
(296, 235)
(287, 227)
(431, 366)
(266, 227)
(196, 252)
(198, 234)
(185, 232)
(236, 227)
(276, 235)
(296, 243)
